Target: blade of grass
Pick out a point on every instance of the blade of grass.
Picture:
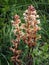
(5, 58)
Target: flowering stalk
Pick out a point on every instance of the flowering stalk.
(32, 27)
(15, 42)
(26, 31)
(30, 16)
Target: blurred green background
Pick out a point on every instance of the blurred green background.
(8, 8)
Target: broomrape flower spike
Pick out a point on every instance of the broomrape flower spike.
(29, 36)
(15, 42)
(30, 16)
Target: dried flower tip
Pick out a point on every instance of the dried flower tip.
(31, 8)
(16, 17)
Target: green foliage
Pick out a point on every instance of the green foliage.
(8, 8)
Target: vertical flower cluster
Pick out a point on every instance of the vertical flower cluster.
(15, 42)
(30, 16)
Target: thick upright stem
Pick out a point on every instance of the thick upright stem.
(14, 63)
(30, 59)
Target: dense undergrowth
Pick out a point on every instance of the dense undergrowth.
(8, 8)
